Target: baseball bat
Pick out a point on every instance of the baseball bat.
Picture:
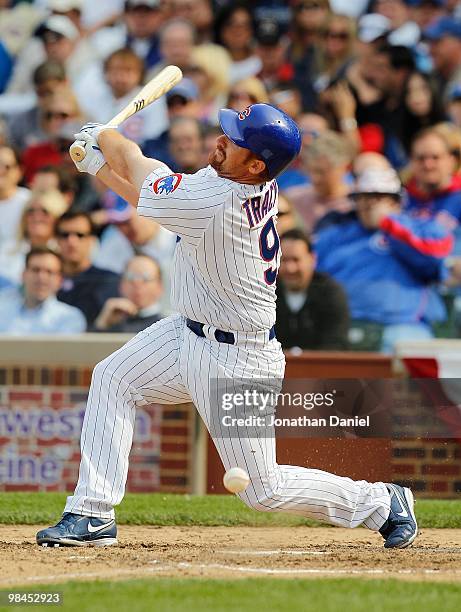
(155, 88)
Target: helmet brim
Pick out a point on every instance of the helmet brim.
(229, 122)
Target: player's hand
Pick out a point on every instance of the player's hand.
(94, 159)
(93, 129)
(114, 311)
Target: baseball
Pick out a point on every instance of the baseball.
(236, 480)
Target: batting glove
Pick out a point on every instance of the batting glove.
(94, 129)
(94, 159)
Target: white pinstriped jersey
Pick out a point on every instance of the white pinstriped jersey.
(226, 260)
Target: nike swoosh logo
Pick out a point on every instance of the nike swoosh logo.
(404, 513)
(93, 529)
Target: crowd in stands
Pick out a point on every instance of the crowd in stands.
(369, 214)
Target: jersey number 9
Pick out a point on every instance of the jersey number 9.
(269, 245)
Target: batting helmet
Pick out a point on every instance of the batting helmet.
(266, 131)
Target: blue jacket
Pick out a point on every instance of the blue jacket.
(387, 273)
(443, 205)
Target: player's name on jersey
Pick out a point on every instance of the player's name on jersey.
(258, 207)
(301, 421)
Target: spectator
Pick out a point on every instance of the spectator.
(138, 306)
(434, 190)
(454, 105)
(181, 101)
(287, 98)
(177, 38)
(271, 49)
(308, 16)
(369, 160)
(371, 34)
(390, 68)
(101, 97)
(312, 310)
(326, 161)
(444, 36)
(27, 128)
(335, 51)
(210, 72)
(36, 310)
(59, 40)
(246, 92)
(139, 30)
(39, 218)
(60, 111)
(424, 12)
(287, 218)
(200, 14)
(36, 229)
(404, 31)
(130, 235)
(13, 199)
(234, 27)
(186, 145)
(387, 262)
(84, 286)
(55, 178)
(311, 126)
(422, 108)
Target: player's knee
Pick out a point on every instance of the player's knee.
(261, 502)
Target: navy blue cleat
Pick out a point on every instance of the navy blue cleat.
(78, 530)
(401, 528)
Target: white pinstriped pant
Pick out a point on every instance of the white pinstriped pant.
(167, 363)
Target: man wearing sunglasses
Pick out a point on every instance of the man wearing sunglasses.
(84, 285)
(138, 306)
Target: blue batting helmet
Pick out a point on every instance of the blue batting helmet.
(266, 131)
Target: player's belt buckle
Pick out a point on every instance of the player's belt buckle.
(206, 331)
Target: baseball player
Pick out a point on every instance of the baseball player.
(223, 288)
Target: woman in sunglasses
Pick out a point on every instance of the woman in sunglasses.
(36, 229)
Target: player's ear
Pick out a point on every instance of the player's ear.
(256, 166)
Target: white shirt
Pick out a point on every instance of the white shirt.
(98, 104)
(295, 300)
(11, 211)
(50, 317)
(225, 265)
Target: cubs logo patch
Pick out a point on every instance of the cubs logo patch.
(244, 114)
(166, 184)
(379, 243)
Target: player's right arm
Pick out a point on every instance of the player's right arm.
(117, 161)
(125, 158)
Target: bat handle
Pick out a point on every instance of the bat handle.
(77, 151)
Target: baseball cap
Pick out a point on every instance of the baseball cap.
(444, 26)
(186, 89)
(268, 32)
(59, 24)
(152, 4)
(373, 26)
(62, 6)
(373, 180)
